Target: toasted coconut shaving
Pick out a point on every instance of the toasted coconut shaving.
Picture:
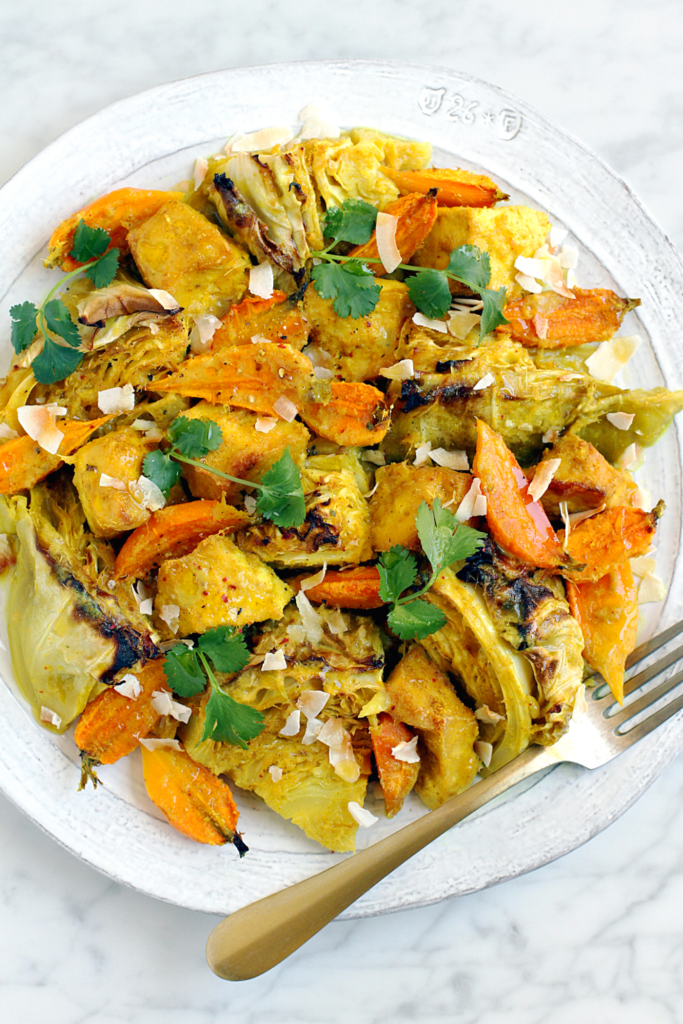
(451, 460)
(434, 325)
(545, 472)
(387, 248)
(364, 818)
(612, 356)
(130, 686)
(311, 702)
(406, 751)
(402, 370)
(292, 725)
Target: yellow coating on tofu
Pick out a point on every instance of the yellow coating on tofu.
(109, 511)
(244, 452)
(183, 253)
(400, 490)
(219, 585)
(504, 232)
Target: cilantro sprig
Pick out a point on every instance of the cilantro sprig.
(52, 319)
(187, 671)
(444, 541)
(354, 291)
(281, 496)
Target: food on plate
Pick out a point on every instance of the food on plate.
(315, 480)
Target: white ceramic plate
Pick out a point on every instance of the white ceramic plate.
(151, 140)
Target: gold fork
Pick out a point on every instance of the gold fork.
(261, 935)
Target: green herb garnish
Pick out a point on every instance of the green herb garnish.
(187, 670)
(52, 319)
(281, 491)
(444, 541)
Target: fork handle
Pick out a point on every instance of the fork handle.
(262, 934)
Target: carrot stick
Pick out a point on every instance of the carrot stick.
(274, 319)
(416, 215)
(517, 522)
(353, 588)
(355, 414)
(396, 778)
(455, 187)
(23, 462)
(607, 612)
(549, 320)
(174, 531)
(609, 539)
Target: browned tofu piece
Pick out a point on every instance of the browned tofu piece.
(219, 585)
(504, 232)
(183, 253)
(422, 697)
(401, 489)
(584, 478)
(244, 452)
(360, 348)
(111, 511)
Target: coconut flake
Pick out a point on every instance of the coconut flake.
(406, 751)
(261, 280)
(250, 504)
(556, 236)
(643, 565)
(160, 744)
(130, 686)
(484, 752)
(402, 370)
(201, 166)
(275, 773)
(113, 481)
(170, 614)
(6, 432)
(422, 453)
(322, 373)
(203, 331)
(487, 716)
(313, 581)
(318, 356)
(313, 729)
(116, 400)
(486, 381)
(529, 284)
(318, 123)
(642, 499)
(260, 339)
(473, 504)
(292, 725)
(147, 494)
(612, 356)
(51, 717)
(377, 458)
(578, 517)
(285, 409)
(451, 460)
(39, 423)
(630, 456)
(550, 436)
(541, 324)
(434, 325)
(163, 703)
(311, 702)
(146, 606)
(336, 623)
(545, 471)
(265, 138)
(274, 661)
(310, 619)
(387, 249)
(621, 420)
(651, 589)
(165, 299)
(364, 818)
(461, 322)
(564, 514)
(264, 424)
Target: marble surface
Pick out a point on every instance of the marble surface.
(594, 937)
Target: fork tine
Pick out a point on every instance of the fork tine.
(649, 698)
(652, 645)
(659, 717)
(635, 682)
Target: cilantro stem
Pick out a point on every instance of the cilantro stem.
(323, 254)
(173, 453)
(207, 668)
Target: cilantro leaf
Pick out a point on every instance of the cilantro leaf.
(23, 325)
(160, 468)
(444, 540)
(353, 221)
(228, 721)
(415, 620)
(471, 266)
(55, 362)
(397, 570)
(183, 671)
(429, 291)
(351, 285)
(282, 497)
(225, 647)
(194, 438)
(58, 320)
(88, 242)
(102, 272)
(492, 313)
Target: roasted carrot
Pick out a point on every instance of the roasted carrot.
(353, 588)
(250, 377)
(112, 725)
(517, 522)
(174, 531)
(455, 187)
(609, 539)
(23, 462)
(354, 414)
(195, 802)
(117, 213)
(416, 215)
(549, 320)
(275, 319)
(607, 612)
(396, 778)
